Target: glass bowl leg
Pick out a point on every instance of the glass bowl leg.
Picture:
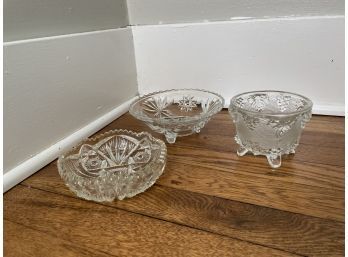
(274, 159)
(170, 136)
(196, 129)
(242, 151)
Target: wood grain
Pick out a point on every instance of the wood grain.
(318, 144)
(118, 232)
(301, 173)
(295, 233)
(304, 153)
(309, 200)
(308, 182)
(209, 202)
(22, 241)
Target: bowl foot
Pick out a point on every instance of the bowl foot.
(170, 136)
(274, 160)
(196, 129)
(242, 151)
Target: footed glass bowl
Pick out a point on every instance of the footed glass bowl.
(269, 122)
(116, 164)
(177, 112)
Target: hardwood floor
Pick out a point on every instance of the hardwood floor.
(209, 202)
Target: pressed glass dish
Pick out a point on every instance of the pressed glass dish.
(177, 112)
(116, 164)
(269, 122)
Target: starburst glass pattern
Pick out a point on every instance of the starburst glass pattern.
(116, 164)
(157, 106)
(210, 105)
(187, 103)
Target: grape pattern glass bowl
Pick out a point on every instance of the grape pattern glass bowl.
(269, 122)
(177, 112)
(116, 164)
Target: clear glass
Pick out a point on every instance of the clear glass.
(116, 164)
(269, 122)
(177, 112)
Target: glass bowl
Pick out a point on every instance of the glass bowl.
(116, 164)
(269, 122)
(177, 112)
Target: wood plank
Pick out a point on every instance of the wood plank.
(310, 182)
(310, 200)
(264, 189)
(325, 123)
(218, 134)
(21, 241)
(300, 173)
(296, 233)
(328, 139)
(298, 208)
(304, 152)
(311, 191)
(118, 232)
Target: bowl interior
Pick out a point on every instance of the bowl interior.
(113, 152)
(271, 102)
(116, 164)
(177, 104)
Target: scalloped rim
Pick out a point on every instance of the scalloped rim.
(96, 138)
(174, 119)
(308, 107)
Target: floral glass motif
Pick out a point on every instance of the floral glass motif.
(178, 112)
(269, 123)
(116, 164)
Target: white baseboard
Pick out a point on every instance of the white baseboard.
(30, 166)
(334, 110)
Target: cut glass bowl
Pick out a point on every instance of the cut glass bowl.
(269, 122)
(177, 112)
(116, 164)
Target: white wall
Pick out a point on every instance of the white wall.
(303, 54)
(60, 81)
(25, 19)
(142, 12)
(55, 86)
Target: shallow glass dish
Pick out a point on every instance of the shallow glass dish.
(269, 122)
(177, 112)
(116, 164)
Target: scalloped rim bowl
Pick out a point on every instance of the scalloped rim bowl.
(177, 112)
(116, 164)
